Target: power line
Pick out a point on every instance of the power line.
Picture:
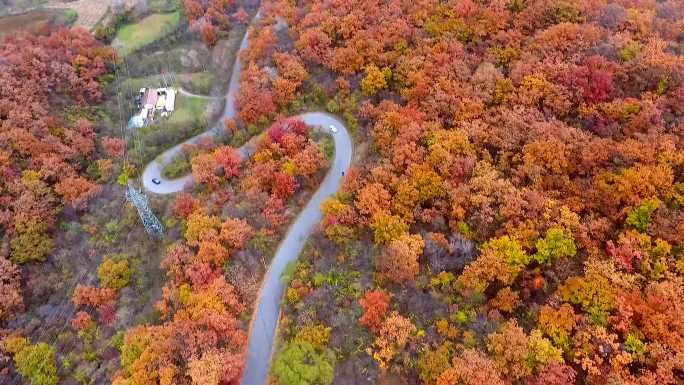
(139, 200)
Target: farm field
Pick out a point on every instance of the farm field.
(37, 21)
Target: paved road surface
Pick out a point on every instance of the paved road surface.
(265, 318)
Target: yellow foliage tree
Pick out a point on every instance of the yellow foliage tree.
(114, 274)
(374, 81)
(200, 226)
(394, 334)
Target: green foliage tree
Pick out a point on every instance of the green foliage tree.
(640, 216)
(36, 363)
(501, 259)
(300, 363)
(317, 335)
(509, 249)
(557, 243)
(593, 292)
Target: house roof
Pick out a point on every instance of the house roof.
(150, 97)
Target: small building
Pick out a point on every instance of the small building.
(170, 100)
(154, 102)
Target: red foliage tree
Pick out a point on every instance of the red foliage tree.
(228, 159)
(375, 304)
(236, 232)
(106, 314)
(77, 191)
(204, 169)
(274, 211)
(184, 205)
(256, 98)
(82, 321)
(284, 185)
(193, 10)
(229, 125)
(594, 79)
(11, 300)
(113, 147)
(92, 296)
(209, 34)
(554, 374)
(38, 150)
(241, 16)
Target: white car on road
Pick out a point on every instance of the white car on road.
(333, 129)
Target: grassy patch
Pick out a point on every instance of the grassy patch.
(162, 5)
(168, 58)
(70, 16)
(146, 31)
(198, 83)
(179, 166)
(132, 85)
(189, 109)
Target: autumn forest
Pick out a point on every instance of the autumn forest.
(513, 211)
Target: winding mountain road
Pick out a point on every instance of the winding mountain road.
(267, 313)
(262, 331)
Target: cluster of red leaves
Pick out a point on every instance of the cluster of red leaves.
(286, 158)
(213, 16)
(11, 300)
(375, 305)
(42, 157)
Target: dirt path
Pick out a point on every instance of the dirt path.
(188, 93)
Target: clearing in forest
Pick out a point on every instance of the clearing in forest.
(148, 30)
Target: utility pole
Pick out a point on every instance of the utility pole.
(149, 220)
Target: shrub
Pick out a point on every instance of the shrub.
(432, 363)
(238, 139)
(13, 344)
(630, 51)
